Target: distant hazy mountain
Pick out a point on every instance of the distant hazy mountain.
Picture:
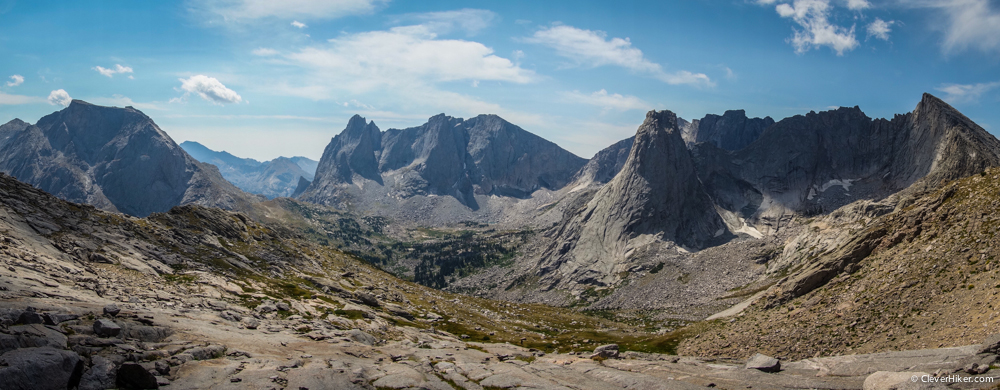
(446, 156)
(113, 158)
(273, 179)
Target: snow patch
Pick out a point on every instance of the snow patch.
(845, 184)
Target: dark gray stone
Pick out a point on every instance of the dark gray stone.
(100, 375)
(56, 318)
(30, 317)
(135, 376)
(40, 369)
(112, 310)
(106, 328)
(367, 298)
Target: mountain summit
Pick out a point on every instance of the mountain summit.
(447, 156)
(114, 158)
(656, 196)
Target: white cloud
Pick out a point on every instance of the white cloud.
(15, 80)
(110, 72)
(880, 29)
(298, 24)
(592, 48)
(209, 88)
(607, 101)
(245, 10)
(966, 24)
(405, 56)
(264, 52)
(858, 5)
(814, 18)
(59, 97)
(471, 21)
(966, 92)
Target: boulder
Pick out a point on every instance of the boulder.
(146, 333)
(282, 306)
(231, 316)
(35, 335)
(361, 337)
(266, 308)
(134, 376)
(366, 298)
(106, 328)
(991, 345)
(112, 310)
(30, 317)
(100, 376)
(396, 310)
(763, 363)
(606, 351)
(209, 352)
(56, 318)
(40, 369)
(251, 323)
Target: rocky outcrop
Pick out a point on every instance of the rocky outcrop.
(657, 196)
(275, 178)
(485, 155)
(113, 158)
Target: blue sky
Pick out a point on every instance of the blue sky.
(262, 78)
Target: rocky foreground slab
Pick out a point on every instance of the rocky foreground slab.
(191, 348)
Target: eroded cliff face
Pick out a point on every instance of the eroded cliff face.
(655, 197)
(447, 156)
(113, 158)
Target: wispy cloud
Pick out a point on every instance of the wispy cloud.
(966, 24)
(59, 97)
(210, 89)
(966, 92)
(593, 48)
(250, 10)
(298, 24)
(15, 80)
(607, 101)
(110, 72)
(471, 21)
(8, 99)
(124, 101)
(264, 52)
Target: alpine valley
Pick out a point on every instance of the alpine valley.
(825, 250)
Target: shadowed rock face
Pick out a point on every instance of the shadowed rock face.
(731, 131)
(656, 197)
(445, 156)
(113, 158)
(817, 162)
